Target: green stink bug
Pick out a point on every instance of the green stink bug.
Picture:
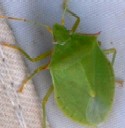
(86, 74)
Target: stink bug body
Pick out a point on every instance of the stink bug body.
(82, 77)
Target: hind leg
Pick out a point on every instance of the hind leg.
(44, 102)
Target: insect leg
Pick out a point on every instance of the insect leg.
(64, 11)
(31, 76)
(76, 24)
(38, 58)
(45, 99)
(113, 51)
(120, 82)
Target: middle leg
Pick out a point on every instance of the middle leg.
(39, 69)
(113, 51)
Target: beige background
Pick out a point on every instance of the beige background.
(16, 110)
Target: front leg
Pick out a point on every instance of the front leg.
(66, 9)
(38, 58)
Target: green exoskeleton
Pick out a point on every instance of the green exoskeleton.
(83, 80)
